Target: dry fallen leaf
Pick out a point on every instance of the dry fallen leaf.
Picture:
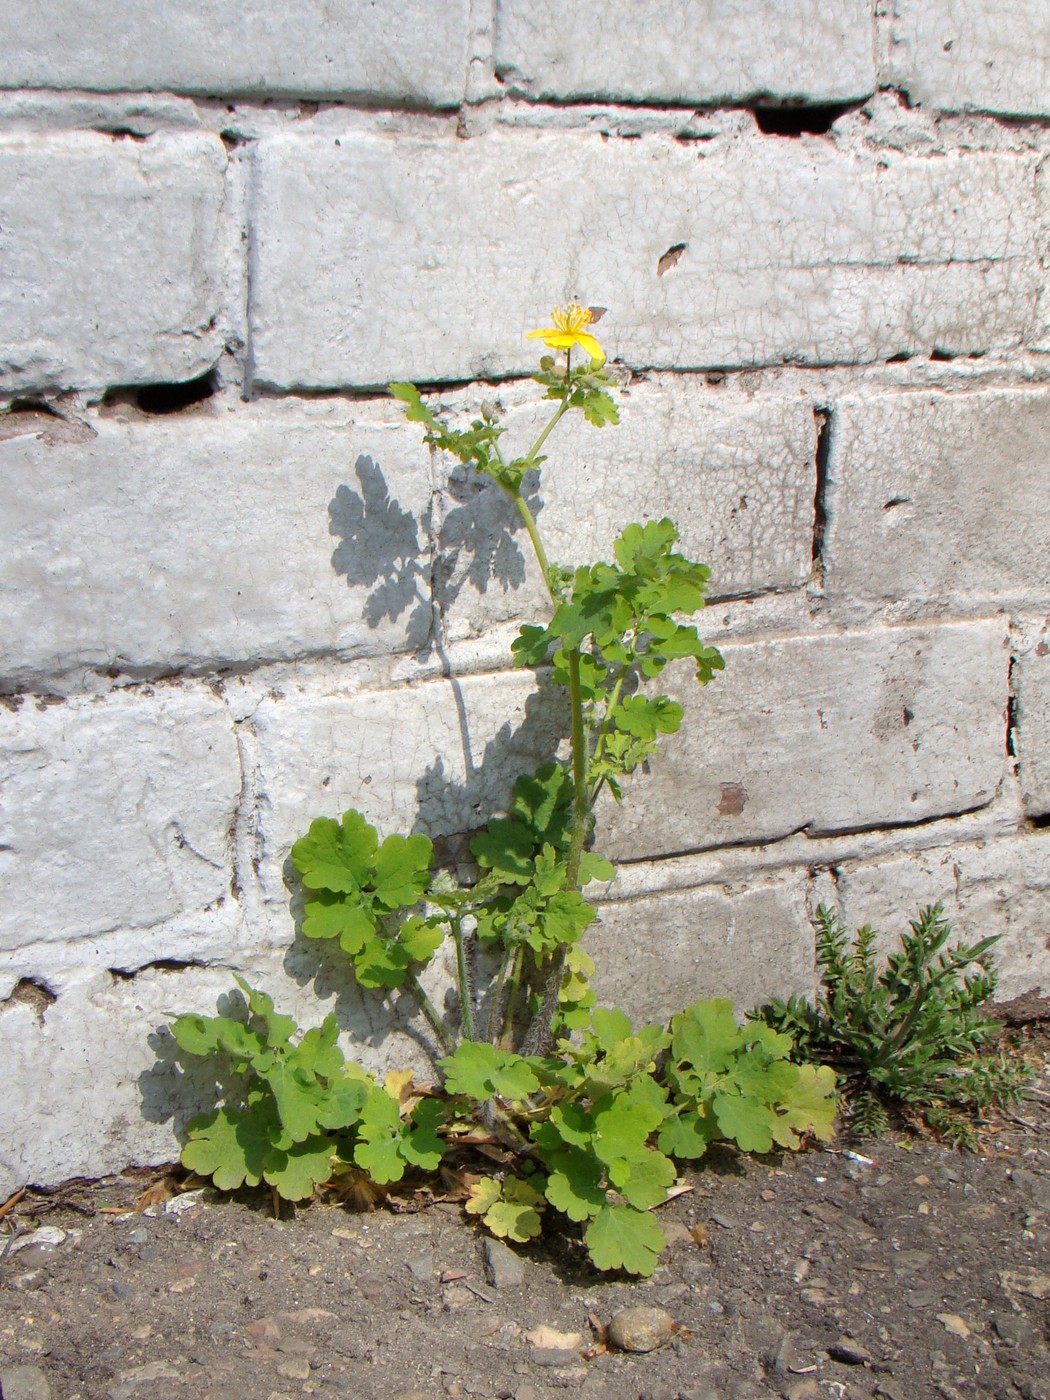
(699, 1234)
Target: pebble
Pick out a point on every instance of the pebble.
(139, 1236)
(803, 1390)
(421, 1267)
(640, 1329)
(503, 1268)
(296, 1368)
(24, 1383)
(849, 1352)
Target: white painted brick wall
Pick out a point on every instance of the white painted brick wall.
(400, 50)
(693, 51)
(117, 812)
(1031, 683)
(738, 477)
(219, 623)
(112, 268)
(939, 500)
(311, 536)
(377, 258)
(827, 733)
(748, 944)
(989, 888)
(972, 55)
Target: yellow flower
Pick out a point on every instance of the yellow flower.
(569, 329)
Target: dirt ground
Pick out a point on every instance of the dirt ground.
(903, 1271)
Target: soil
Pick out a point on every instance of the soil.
(898, 1268)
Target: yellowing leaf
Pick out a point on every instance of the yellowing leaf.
(483, 1196)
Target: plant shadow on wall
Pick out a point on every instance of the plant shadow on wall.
(585, 1115)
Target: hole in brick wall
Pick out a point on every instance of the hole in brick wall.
(815, 120)
(128, 974)
(941, 355)
(35, 994)
(158, 399)
(124, 133)
(899, 358)
(1011, 709)
(670, 258)
(820, 510)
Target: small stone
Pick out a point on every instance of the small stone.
(953, 1323)
(849, 1352)
(503, 1268)
(139, 1236)
(421, 1267)
(24, 1383)
(1030, 1282)
(296, 1368)
(803, 1390)
(661, 1392)
(727, 1222)
(640, 1329)
(526, 1391)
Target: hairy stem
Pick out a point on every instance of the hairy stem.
(431, 1012)
(466, 988)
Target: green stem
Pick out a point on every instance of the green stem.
(603, 733)
(466, 992)
(507, 1033)
(562, 409)
(431, 1012)
(581, 809)
(534, 536)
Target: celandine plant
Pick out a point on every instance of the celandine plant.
(585, 1113)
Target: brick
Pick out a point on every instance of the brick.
(938, 499)
(400, 50)
(693, 51)
(439, 757)
(1031, 735)
(736, 476)
(972, 55)
(131, 287)
(116, 812)
(247, 535)
(792, 250)
(658, 953)
(823, 734)
(994, 887)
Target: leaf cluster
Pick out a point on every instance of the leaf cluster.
(357, 884)
(621, 620)
(908, 1031)
(296, 1107)
(606, 1116)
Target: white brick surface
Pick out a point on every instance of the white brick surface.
(111, 262)
(691, 51)
(939, 499)
(824, 734)
(996, 887)
(213, 536)
(401, 50)
(737, 478)
(1031, 679)
(657, 954)
(376, 257)
(116, 812)
(439, 757)
(972, 55)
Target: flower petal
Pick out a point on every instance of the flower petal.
(588, 342)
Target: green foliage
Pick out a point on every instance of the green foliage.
(591, 1124)
(295, 1108)
(358, 883)
(908, 1032)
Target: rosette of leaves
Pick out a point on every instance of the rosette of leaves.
(906, 1031)
(294, 1108)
